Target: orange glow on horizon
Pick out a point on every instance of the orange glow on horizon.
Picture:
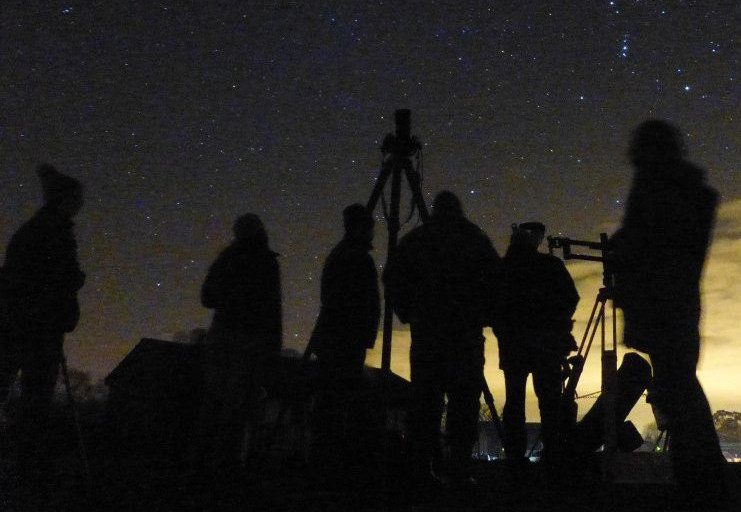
(721, 353)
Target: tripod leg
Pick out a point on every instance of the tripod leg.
(632, 379)
(73, 407)
(414, 184)
(489, 400)
(596, 318)
(380, 184)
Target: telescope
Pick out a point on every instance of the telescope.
(401, 144)
(605, 423)
(602, 247)
(559, 242)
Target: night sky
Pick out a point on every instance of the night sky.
(178, 117)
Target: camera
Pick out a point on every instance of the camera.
(603, 247)
(402, 143)
(559, 242)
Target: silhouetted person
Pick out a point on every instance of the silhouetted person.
(440, 282)
(533, 327)
(243, 343)
(346, 327)
(38, 296)
(660, 252)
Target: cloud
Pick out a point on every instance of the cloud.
(721, 287)
(721, 327)
(721, 330)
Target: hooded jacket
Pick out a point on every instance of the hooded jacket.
(41, 275)
(243, 289)
(350, 310)
(660, 251)
(442, 276)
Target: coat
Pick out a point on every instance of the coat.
(243, 289)
(534, 307)
(659, 254)
(442, 275)
(350, 301)
(41, 275)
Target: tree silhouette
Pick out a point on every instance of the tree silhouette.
(728, 425)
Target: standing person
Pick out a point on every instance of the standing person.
(243, 343)
(38, 292)
(659, 254)
(536, 302)
(346, 327)
(439, 282)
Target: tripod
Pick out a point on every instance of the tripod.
(398, 148)
(397, 151)
(87, 475)
(597, 322)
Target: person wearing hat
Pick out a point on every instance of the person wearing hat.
(659, 253)
(533, 328)
(39, 282)
(243, 344)
(439, 281)
(346, 327)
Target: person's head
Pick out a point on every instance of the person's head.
(61, 192)
(249, 228)
(358, 222)
(446, 205)
(655, 141)
(528, 233)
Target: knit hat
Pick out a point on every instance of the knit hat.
(527, 233)
(247, 226)
(55, 185)
(447, 205)
(655, 140)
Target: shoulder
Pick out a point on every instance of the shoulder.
(228, 253)
(415, 237)
(471, 233)
(552, 264)
(345, 251)
(482, 237)
(416, 233)
(43, 229)
(688, 185)
(38, 223)
(550, 259)
(696, 177)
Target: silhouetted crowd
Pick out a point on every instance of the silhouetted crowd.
(447, 282)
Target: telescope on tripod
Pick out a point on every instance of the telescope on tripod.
(604, 424)
(398, 149)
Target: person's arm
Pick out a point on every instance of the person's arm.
(212, 290)
(369, 302)
(274, 302)
(567, 290)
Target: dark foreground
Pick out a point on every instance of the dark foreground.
(136, 470)
(122, 483)
(495, 490)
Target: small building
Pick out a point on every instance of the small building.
(155, 392)
(153, 398)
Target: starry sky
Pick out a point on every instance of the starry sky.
(180, 116)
